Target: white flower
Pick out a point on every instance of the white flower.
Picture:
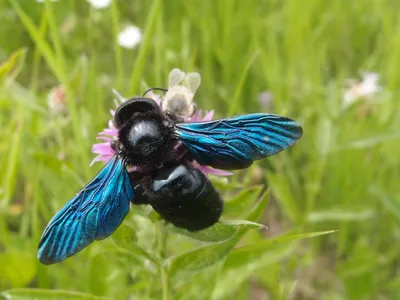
(130, 37)
(368, 86)
(99, 4)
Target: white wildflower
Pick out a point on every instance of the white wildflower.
(130, 37)
(368, 86)
(99, 4)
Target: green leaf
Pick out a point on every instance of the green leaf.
(196, 260)
(245, 254)
(125, 236)
(201, 258)
(43, 294)
(204, 257)
(234, 276)
(284, 196)
(41, 43)
(391, 204)
(13, 64)
(221, 231)
(120, 244)
(13, 155)
(237, 206)
(55, 36)
(358, 270)
(368, 142)
(257, 210)
(223, 183)
(242, 262)
(325, 136)
(340, 215)
(361, 261)
(141, 60)
(394, 284)
(24, 96)
(17, 268)
(234, 103)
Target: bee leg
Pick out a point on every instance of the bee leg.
(180, 151)
(142, 193)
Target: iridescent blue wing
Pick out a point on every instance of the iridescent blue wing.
(235, 143)
(93, 214)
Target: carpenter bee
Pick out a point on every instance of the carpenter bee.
(164, 150)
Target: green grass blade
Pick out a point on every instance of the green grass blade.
(144, 50)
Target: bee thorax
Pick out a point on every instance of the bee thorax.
(179, 101)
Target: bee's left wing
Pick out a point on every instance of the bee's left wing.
(192, 81)
(93, 214)
(235, 143)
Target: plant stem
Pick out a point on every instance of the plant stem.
(165, 283)
(162, 249)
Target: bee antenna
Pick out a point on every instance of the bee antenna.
(118, 95)
(155, 89)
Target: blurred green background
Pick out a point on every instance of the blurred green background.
(296, 56)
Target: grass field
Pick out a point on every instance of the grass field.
(342, 176)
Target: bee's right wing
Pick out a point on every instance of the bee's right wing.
(192, 81)
(93, 214)
(234, 143)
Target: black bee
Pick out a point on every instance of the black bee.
(180, 193)
(163, 148)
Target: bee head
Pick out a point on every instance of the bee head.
(138, 105)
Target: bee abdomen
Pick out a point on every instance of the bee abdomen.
(186, 198)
